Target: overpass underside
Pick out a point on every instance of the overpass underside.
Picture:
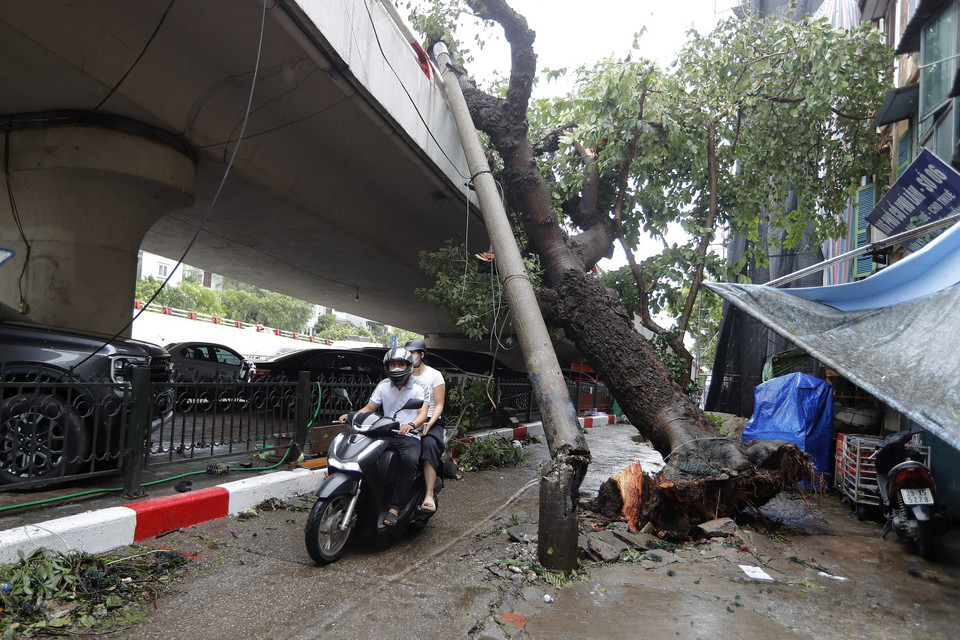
(119, 120)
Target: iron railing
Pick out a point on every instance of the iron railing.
(55, 432)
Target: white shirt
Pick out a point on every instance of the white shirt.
(386, 396)
(433, 379)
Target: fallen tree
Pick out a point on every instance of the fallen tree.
(706, 475)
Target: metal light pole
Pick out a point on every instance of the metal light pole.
(557, 540)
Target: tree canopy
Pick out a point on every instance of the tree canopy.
(243, 302)
(754, 111)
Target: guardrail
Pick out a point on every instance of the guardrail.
(65, 431)
(227, 322)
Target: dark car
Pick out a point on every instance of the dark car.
(62, 396)
(331, 363)
(451, 372)
(477, 362)
(208, 362)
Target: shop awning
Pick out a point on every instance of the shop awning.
(926, 11)
(898, 104)
(873, 9)
(893, 334)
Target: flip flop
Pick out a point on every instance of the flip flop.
(390, 520)
(428, 505)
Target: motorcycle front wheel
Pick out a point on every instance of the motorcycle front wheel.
(324, 537)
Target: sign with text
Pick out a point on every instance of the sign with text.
(928, 190)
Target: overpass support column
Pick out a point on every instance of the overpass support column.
(75, 203)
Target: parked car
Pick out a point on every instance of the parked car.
(51, 416)
(327, 362)
(208, 362)
(451, 372)
(349, 368)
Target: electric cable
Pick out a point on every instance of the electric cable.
(16, 217)
(116, 86)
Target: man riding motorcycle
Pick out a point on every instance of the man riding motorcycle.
(389, 396)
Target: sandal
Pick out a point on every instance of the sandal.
(428, 505)
(390, 520)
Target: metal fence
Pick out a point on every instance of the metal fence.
(54, 432)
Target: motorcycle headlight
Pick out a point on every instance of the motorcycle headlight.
(343, 466)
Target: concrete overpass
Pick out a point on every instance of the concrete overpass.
(119, 119)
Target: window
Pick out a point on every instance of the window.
(226, 357)
(905, 150)
(162, 270)
(938, 64)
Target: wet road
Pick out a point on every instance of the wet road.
(253, 579)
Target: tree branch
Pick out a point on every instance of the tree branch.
(523, 60)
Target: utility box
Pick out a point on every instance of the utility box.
(321, 437)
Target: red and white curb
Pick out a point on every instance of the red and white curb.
(536, 428)
(106, 529)
(113, 527)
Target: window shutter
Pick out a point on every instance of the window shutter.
(905, 148)
(866, 198)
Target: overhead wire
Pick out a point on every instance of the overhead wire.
(153, 35)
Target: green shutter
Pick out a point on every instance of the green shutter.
(866, 198)
(905, 148)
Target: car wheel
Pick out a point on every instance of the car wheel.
(41, 436)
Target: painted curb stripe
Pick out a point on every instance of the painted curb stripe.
(159, 515)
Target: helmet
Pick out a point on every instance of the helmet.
(398, 354)
(416, 344)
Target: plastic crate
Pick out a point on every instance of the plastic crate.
(856, 476)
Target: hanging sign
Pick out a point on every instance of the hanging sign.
(928, 190)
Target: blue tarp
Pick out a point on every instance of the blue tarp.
(797, 408)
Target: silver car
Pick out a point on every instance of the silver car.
(208, 362)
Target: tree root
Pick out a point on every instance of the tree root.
(687, 492)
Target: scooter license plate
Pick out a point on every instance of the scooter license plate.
(917, 496)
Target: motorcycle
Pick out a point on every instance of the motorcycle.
(354, 497)
(908, 495)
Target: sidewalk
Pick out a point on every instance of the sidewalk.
(111, 527)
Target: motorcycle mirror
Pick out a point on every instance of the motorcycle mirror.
(412, 403)
(342, 394)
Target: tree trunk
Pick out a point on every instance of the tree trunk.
(706, 475)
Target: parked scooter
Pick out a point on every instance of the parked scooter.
(908, 494)
(354, 498)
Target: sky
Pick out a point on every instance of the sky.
(572, 33)
(575, 33)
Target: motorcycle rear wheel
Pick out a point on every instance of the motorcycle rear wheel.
(325, 540)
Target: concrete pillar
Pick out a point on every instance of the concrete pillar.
(84, 198)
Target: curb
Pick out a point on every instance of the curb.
(106, 529)
(113, 527)
(536, 428)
